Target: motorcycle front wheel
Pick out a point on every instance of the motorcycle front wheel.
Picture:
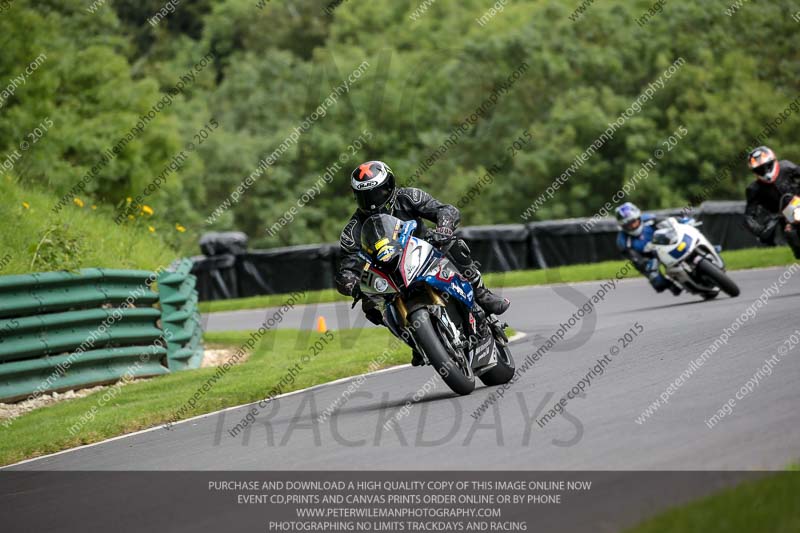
(718, 277)
(456, 374)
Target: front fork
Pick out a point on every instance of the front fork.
(498, 330)
(396, 319)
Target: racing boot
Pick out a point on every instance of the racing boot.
(490, 302)
(416, 358)
(660, 283)
(675, 289)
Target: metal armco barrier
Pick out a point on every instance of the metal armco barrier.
(180, 317)
(61, 330)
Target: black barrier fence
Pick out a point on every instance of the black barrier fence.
(229, 270)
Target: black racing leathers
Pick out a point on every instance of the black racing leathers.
(411, 204)
(765, 201)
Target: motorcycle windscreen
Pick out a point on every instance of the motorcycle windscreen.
(665, 237)
(379, 240)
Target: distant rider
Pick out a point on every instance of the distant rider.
(636, 232)
(775, 180)
(373, 185)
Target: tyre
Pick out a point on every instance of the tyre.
(718, 277)
(503, 371)
(457, 376)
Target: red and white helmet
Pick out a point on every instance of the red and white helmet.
(764, 164)
(374, 187)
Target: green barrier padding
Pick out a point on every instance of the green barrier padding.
(64, 330)
(180, 317)
(56, 333)
(55, 291)
(33, 377)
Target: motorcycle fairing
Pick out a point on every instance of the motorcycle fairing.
(375, 281)
(417, 258)
(421, 262)
(684, 246)
(485, 354)
(406, 231)
(445, 278)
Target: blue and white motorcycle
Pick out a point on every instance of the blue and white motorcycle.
(690, 260)
(430, 306)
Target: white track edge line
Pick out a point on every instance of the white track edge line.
(161, 426)
(515, 337)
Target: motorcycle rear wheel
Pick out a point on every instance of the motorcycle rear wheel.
(460, 380)
(718, 277)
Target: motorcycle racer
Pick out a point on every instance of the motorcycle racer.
(775, 180)
(636, 232)
(375, 191)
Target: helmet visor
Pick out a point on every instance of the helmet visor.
(632, 225)
(763, 170)
(373, 200)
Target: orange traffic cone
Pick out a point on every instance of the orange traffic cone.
(322, 327)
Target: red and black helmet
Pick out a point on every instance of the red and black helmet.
(374, 187)
(764, 164)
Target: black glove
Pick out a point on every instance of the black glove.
(767, 234)
(441, 235)
(355, 294)
(374, 315)
(373, 309)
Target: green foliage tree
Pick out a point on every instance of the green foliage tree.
(429, 70)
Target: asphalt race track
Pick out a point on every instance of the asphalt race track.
(405, 419)
(596, 432)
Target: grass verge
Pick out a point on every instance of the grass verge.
(148, 403)
(768, 505)
(735, 259)
(77, 237)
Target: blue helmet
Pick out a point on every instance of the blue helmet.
(629, 218)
